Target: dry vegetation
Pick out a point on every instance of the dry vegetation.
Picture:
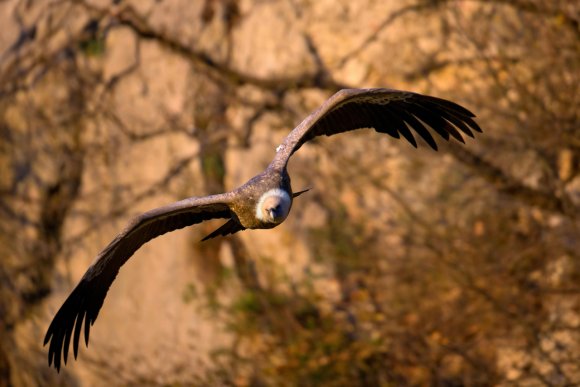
(457, 268)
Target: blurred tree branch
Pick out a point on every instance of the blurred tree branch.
(546, 200)
(127, 16)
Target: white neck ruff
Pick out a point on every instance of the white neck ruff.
(280, 193)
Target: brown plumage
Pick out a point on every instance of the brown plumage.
(264, 201)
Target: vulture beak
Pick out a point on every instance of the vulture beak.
(274, 212)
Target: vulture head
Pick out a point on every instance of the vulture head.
(273, 206)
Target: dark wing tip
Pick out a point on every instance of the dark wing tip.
(423, 114)
(445, 117)
(85, 300)
(449, 105)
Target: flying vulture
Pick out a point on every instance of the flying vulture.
(264, 201)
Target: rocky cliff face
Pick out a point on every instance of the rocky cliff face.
(426, 267)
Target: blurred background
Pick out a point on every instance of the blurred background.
(401, 267)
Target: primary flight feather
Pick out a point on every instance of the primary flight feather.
(264, 201)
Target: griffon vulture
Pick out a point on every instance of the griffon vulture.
(264, 201)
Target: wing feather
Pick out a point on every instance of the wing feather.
(230, 227)
(410, 120)
(85, 301)
(393, 112)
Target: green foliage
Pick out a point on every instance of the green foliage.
(93, 46)
(213, 166)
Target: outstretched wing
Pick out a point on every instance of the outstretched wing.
(86, 299)
(393, 112)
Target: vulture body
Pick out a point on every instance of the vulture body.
(264, 201)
